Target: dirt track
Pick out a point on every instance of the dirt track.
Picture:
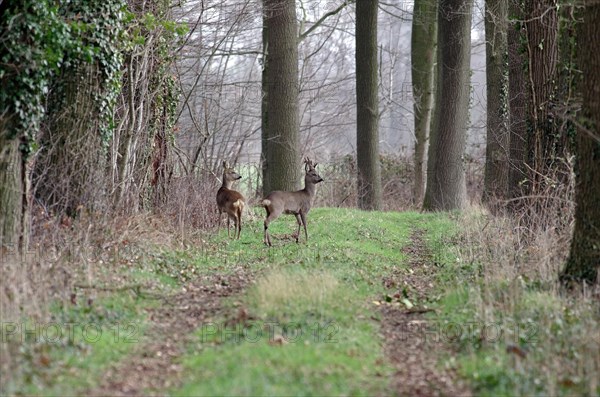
(413, 351)
(153, 367)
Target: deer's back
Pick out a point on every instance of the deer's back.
(289, 202)
(227, 196)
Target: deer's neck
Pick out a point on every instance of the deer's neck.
(227, 184)
(310, 188)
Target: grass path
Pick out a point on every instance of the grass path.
(320, 320)
(154, 367)
(374, 304)
(409, 345)
(314, 318)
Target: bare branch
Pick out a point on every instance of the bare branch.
(320, 21)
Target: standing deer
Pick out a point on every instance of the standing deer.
(230, 201)
(297, 203)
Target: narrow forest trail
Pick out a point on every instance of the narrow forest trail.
(345, 313)
(374, 304)
(155, 367)
(411, 344)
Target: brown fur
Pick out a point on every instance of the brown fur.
(296, 203)
(230, 201)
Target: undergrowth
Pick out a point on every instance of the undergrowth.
(516, 331)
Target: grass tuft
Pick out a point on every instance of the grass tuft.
(284, 288)
(522, 335)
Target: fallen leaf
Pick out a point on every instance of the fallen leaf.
(407, 303)
(516, 350)
(278, 340)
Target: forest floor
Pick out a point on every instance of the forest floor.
(373, 304)
(155, 366)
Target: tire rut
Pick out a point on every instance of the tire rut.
(153, 366)
(408, 341)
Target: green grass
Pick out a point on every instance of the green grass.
(323, 289)
(518, 335)
(313, 328)
(310, 325)
(70, 352)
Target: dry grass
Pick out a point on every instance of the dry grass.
(279, 289)
(191, 202)
(75, 261)
(339, 188)
(518, 282)
(66, 251)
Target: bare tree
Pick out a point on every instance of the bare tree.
(139, 149)
(446, 185)
(14, 190)
(367, 107)
(543, 56)
(68, 172)
(423, 50)
(496, 171)
(584, 259)
(282, 128)
(517, 102)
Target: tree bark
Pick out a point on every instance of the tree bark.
(266, 181)
(14, 194)
(517, 170)
(542, 46)
(281, 147)
(584, 259)
(69, 169)
(367, 107)
(497, 147)
(423, 51)
(446, 185)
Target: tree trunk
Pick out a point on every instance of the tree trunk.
(282, 158)
(497, 147)
(367, 107)
(423, 51)
(14, 194)
(542, 45)
(584, 259)
(264, 109)
(69, 170)
(446, 185)
(517, 171)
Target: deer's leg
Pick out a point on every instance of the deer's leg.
(271, 216)
(303, 216)
(228, 221)
(239, 223)
(299, 220)
(219, 221)
(266, 239)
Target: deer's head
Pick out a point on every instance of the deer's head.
(311, 173)
(229, 174)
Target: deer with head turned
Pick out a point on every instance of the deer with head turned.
(230, 201)
(296, 203)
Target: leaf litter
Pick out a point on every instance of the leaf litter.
(154, 365)
(408, 344)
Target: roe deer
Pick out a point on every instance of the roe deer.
(230, 201)
(296, 203)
